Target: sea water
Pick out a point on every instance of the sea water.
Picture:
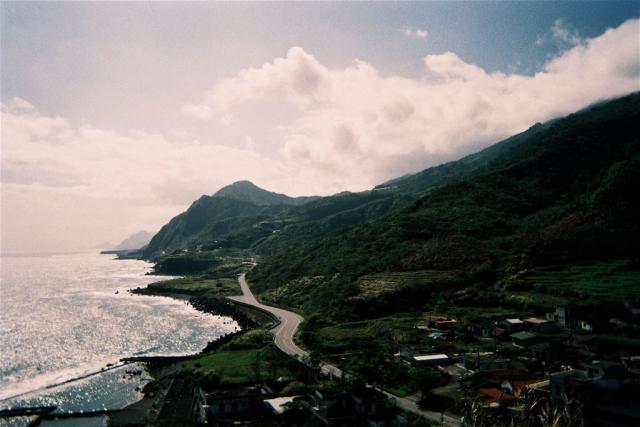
(68, 315)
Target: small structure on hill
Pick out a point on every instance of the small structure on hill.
(235, 403)
(543, 326)
(512, 325)
(481, 362)
(524, 339)
(430, 359)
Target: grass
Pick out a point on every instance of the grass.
(610, 280)
(196, 286)
(240, 366)
(294, 293)
(363, 336)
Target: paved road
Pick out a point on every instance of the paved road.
(289, 321)
(285, 332)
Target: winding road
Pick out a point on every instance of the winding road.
(287, 327)
(284, 333)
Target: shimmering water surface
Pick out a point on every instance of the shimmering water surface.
(62, 316)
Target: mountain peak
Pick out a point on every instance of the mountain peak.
(243, 183)
(247, 191)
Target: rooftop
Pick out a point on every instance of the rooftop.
(427, 357)
(278, 404)
(536, 321)
(524, 335)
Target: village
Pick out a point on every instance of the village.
(551, 360)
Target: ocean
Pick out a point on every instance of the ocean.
(69, 315)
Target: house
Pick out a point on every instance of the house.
(481, 329)
(446, 325)
(542, 326)
(566, 383)
(499, 333)
(483, 362)
(607, 369)
(512, 325)
(524, 339)
(563, 316)
(431, 320)
(430, 360)
(614, 392)
(235, 402)
(543, 352)
(278, 405)
(361, 405)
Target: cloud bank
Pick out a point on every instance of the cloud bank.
(367, 127)
(307, 129)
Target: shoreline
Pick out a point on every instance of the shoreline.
(216, 309)
(162, 370)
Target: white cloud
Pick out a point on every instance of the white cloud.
(73, 186)
(562, 32)
(358, 127)
(300, 127)
(415, 33)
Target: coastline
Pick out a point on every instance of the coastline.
(89, 385)
(164, 370)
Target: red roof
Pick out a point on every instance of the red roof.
(496, 395)
(497, 332)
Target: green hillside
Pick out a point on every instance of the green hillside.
(563, 192)
(560, 193)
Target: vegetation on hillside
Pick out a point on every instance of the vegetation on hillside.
(547, 216)
(565, 192)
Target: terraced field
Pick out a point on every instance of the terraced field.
(614, 280)
(376, 284)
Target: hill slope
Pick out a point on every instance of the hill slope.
(136, 241)
(562, 192)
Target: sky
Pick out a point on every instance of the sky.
(117, 115)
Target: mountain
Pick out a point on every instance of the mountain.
(236, 215)
(246, 191)
(459, 169)
(135, 241)
(562, 192)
